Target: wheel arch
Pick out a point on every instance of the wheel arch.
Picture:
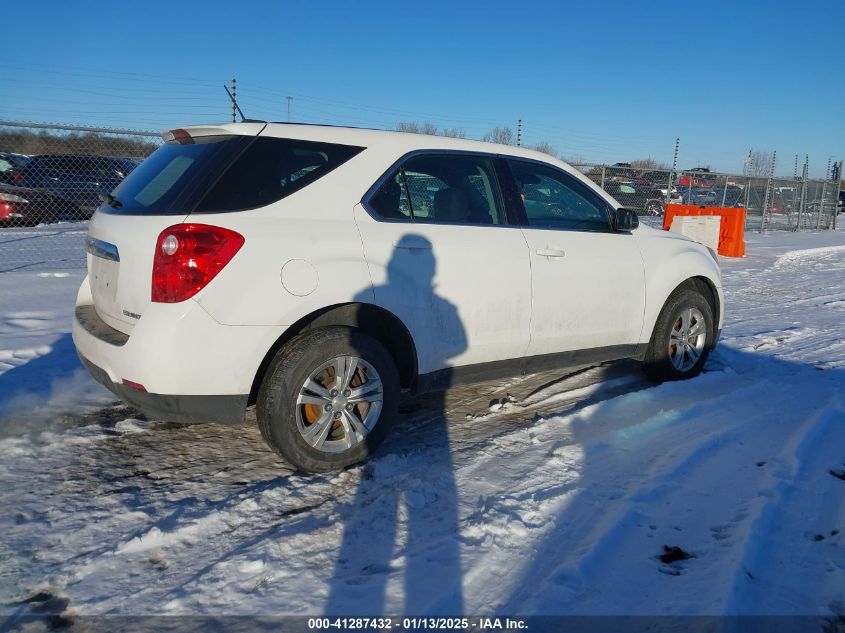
(707, 289)
(700, 283)
(381, 324)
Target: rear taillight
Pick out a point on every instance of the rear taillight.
(17, 176)
(180, 136)
(187, 257)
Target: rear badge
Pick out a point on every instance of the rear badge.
(131, 314)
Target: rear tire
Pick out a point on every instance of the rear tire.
(302, 406)
(682, 338)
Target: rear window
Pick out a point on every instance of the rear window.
(218, 174)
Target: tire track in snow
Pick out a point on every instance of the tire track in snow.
(786, 568)
(609, 544)
(620, 464)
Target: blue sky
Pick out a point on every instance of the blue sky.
(605, 81)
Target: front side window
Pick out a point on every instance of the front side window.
(441, 189)
(551, 200)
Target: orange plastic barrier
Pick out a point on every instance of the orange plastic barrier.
(731, 226)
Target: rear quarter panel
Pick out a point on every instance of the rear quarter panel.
(314, 232)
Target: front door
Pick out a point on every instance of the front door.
(588, 289)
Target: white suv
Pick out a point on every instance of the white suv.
(317, 272)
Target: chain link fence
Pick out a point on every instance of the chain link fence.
(792, 204)
(52, 177)
(51, 180)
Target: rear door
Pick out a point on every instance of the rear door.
(587, 281)
(443, 258)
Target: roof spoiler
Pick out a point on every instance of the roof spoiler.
(186, 135)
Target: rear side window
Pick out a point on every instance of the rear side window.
(218, 174)
(271, 169)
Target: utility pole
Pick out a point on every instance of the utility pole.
(838, 179)
(674, 167)
(519, 133)
(289, 98)
(747, 171)
(802, 202)
(768, 197)
(234, 101)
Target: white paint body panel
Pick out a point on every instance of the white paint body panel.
(588, 292)
(178, 348)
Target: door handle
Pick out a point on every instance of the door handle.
(413, 243)
(551, 252)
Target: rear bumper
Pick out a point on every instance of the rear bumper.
(192, 368)
(174, 408)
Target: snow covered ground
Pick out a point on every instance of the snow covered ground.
(548, 495)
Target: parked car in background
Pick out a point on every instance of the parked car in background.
(622, 171)
(697, 177)
(645, 199)
(732, 196)
(286, 266)
(654, 178)
(9, 162)
(79, 180)
(22, 206)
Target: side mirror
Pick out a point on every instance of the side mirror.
(625, 219)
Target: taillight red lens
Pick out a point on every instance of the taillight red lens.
(188, 256)
(18, 176)
(182, 137)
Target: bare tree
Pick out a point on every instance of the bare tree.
(501, 135)
(90, 143)
(417, 128)
(760, 165)
(574, 159)
(408, 126)
(428, 128)
(648, 164)
(454, 132)
(546, 148)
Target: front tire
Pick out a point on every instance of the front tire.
(328, 399)
(682, 338)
